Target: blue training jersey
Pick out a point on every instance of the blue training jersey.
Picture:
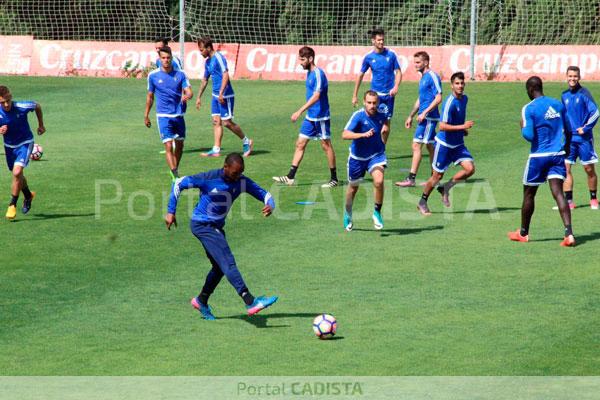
(581, 111)
(430, 85)
(543, 126)
(215, 67)
(216, 195)
(18, 132)
(454, 112)
(168, 90)
(176, 62)
(316, 81)
(383, 69)
(361, 122)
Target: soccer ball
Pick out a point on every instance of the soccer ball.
(324, 326)
(37, 152)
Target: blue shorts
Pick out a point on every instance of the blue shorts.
(18, 155)
(225, 111)
(443, 156)
(358, 168)
(425, 132)
(386, 105)
(171, 128)
(538, 169)
(316, 130)
(584, 151)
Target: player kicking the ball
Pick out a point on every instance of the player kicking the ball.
(18, 143)
(218, 190)
(450, 144)
(544, 125)
(367, 153)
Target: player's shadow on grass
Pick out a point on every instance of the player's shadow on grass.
(485, 210)
(402, 231)
(37, 217)
(261, 320)
(225, 152)
(579, 240)
(400, 157)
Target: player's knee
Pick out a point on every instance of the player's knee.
(227, 123)
(416, 147)
(216, 121)
(589, 169)
(469, 169)
(17, 172)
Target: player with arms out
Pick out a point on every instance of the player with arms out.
(367, 153)
(316, 125)
(172, 90)
(544, 124)
(426, 109)
(582, 114)
(18, 144)
(386, 77)
(218, 190)
(450, 144)
(222, 102)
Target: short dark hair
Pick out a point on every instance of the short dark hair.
(457, 75)
(234, 158)
(163, 40)
(574, 68)
(4, 90)
(370, 93)
(376, 32)
(206, 41)
(534, 84)
(165, 49)
(422, 54)
(306, 52)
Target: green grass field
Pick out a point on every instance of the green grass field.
(92, 288)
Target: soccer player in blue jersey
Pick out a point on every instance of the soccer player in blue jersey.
(582, 114)
(18, 143)
(316, 124)
(218, 190)
(450, 144)
(222, 102)
(385, 79)
(164, 42)
(367, 153)
(545, 125)
(173, 90)
(426, 109)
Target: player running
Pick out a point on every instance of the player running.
(544, 125)
(18, 143)
(582, 114)
(450, 144)
(218, 190)
(430, 96)
(172, 90)
(316, 125)
(386, 77)
(367, 153)
(223, 99)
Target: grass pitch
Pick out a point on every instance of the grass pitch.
(91, 282)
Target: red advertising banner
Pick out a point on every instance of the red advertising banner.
(25, 56)
(506, 63)
(16, 54)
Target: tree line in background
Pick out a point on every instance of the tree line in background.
(332, 22)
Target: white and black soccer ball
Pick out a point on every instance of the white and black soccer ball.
(324, 326)
(37, 152)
